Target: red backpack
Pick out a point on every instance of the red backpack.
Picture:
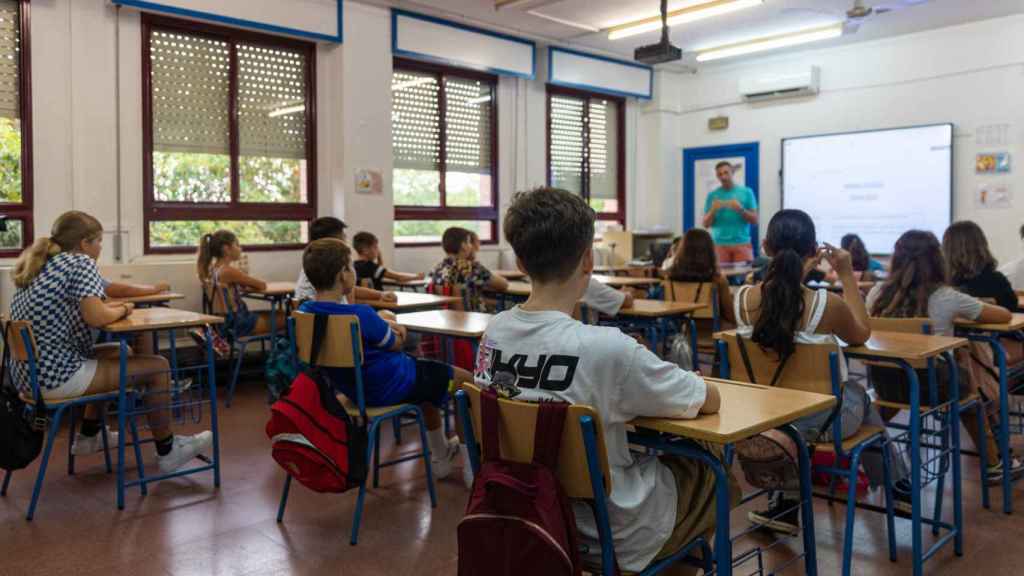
(314, 439)
(519, 520)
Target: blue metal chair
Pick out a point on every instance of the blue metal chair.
(22, 344)
(344, 349)
(239, 342)
(815, 368)
(698, 293)
(582, 467)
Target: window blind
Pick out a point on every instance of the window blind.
(468, 125)
(416, 121)
(190, 93)
(603, 154)
(567, 143)
(10, 58)
(272, 88)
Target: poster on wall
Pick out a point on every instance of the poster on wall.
(706, 181)
(369, 182)
(994, 196)
(992, 163)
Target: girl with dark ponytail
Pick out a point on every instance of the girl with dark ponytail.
(782, 312)
(216, 266)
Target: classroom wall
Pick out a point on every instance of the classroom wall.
(969, 75)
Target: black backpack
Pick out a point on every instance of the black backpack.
(22, 434)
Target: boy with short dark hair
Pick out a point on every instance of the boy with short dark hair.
(390, 376)
(331, 227)
(461, 267)
(657, 505)
(368, 265)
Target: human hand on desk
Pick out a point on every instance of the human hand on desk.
(162, 287)
(389, 297)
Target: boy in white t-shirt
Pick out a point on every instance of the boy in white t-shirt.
(657, 505)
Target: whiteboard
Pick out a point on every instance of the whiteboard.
(315, 19)
(877, 184)
(600, 74)
(437, 40)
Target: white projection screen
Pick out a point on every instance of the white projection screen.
(877, 184)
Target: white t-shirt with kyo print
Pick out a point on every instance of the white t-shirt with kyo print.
(552, 356)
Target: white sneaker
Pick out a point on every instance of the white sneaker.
(184, 449)
(467, 468)
(441, 465)
(84, 445)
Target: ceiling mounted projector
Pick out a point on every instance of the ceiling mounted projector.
(663, 51)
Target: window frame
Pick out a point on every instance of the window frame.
(235, 209)
(444, 212)
(620, 155)
(23, 211)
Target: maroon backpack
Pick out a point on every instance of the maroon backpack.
(519, 520)
(314, 439)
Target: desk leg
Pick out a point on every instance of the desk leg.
(806, 502)
(122, 407)
(915, 466)
(211, 381)
(693, 343)
(958, 514)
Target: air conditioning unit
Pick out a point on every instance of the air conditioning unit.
(782, 84)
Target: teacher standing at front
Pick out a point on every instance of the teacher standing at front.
(729, 211)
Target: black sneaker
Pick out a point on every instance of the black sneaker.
(995, 473)
(902, 506)
(782, 516)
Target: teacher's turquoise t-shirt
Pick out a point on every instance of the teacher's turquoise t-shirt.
(729, 228)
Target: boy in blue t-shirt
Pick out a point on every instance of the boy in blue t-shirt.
(390, 376)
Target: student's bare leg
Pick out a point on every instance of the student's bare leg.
(432, 414)
(103, 352)
(149, 372)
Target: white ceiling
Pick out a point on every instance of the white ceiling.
(773, 17)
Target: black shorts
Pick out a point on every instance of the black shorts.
(431, 385)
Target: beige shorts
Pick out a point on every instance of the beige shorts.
(76, 385)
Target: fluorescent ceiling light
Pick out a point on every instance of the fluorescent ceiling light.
(681, 16)
(287, 110)
(770, 43)
(412, 83)
(478, 100)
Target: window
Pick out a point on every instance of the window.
(229, 136)
(15, 128)
(586, 154)
(444, 135)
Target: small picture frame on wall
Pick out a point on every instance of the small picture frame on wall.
(992, 163)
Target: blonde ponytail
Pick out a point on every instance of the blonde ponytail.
(32, 259)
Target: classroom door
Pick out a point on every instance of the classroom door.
(699, 178)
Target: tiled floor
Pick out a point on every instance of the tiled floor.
(185, 527)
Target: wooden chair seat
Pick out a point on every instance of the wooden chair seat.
(849, 443)
(371, 411)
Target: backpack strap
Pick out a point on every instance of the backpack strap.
(700, 288)
(547, 438)
(750, 369)
(489, 415)
(319, 333)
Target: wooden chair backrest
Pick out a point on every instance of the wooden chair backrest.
(19, 352)
(516, 431)
(337, 349)
(696, 292)
(905, 326)
(808, 369)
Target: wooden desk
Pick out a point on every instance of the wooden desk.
(152, 320)
(410, 301)
(453, 323)
(747, 410)
(275, 289)
(149, 319)
(510, 274)
(659, 308)
(1015, 324)
(162, 298)
(622, 281)
(520, 289)
(730, 271)
(402, 284)
(905, 346)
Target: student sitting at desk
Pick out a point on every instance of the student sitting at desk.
(656, 505)
(972, 268)
(460, 266)
(218, 253)
(917, 288)
(390, 376)
(605, 299)
(1014, 270)
(781, 312)
(60, 292)
(697, 261)
(368, 265)
(331, 227)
